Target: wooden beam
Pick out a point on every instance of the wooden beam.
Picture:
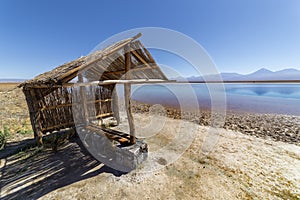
(83, 101)
(133, 69)
(153, 81)
(69, 78)
(58, 126)
(127, 94)
(140, 58)
(32, 110)
(146, 51)
(35, 116)
(102, 115)
(135, 45)
(115, 105)
(152, 59)
(106, 82)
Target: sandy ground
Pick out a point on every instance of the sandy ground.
(186, 161)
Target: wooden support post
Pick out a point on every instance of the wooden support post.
(83, 101)
(115, 105)
(35, 117)
(127, 93)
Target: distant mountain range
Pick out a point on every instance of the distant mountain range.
(261, 74)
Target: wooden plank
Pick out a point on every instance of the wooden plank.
(83, 100)
(58, 126)
(115, 132)
(102, 115)
(100, 100)
(110, 134)
(127, 94)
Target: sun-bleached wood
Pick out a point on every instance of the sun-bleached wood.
(127, 94)
(83, 100)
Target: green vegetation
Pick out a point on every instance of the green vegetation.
(29, 152)
(109, 125)
(2, 140)
(3, 137)
(5, 134)
(25, 131)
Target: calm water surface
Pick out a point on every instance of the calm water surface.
(258, 98)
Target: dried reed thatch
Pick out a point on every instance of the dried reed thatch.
(50, 96)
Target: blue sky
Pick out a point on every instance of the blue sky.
(240, 36)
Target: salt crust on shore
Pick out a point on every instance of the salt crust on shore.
(238, 166)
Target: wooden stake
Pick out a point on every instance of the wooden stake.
(115, 105)
(83, 101)
(35, 116)
(127, 93)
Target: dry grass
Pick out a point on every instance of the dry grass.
(4, 87)
(14, 116)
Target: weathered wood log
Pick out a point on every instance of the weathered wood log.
(106, 82)
(132, 70)
(140, 58)
(115, 105)
(83, 100)
(102, 115)
(152, 60)
(30, 108)
(36, 117)
(120, 137)
(58, 126)
(127, 93)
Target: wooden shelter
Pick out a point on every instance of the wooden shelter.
(87, 84)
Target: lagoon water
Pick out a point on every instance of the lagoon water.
(254, 98)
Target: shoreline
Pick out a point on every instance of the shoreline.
(277, 127)
(239, 164)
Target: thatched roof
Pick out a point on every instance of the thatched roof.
(105, 64)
